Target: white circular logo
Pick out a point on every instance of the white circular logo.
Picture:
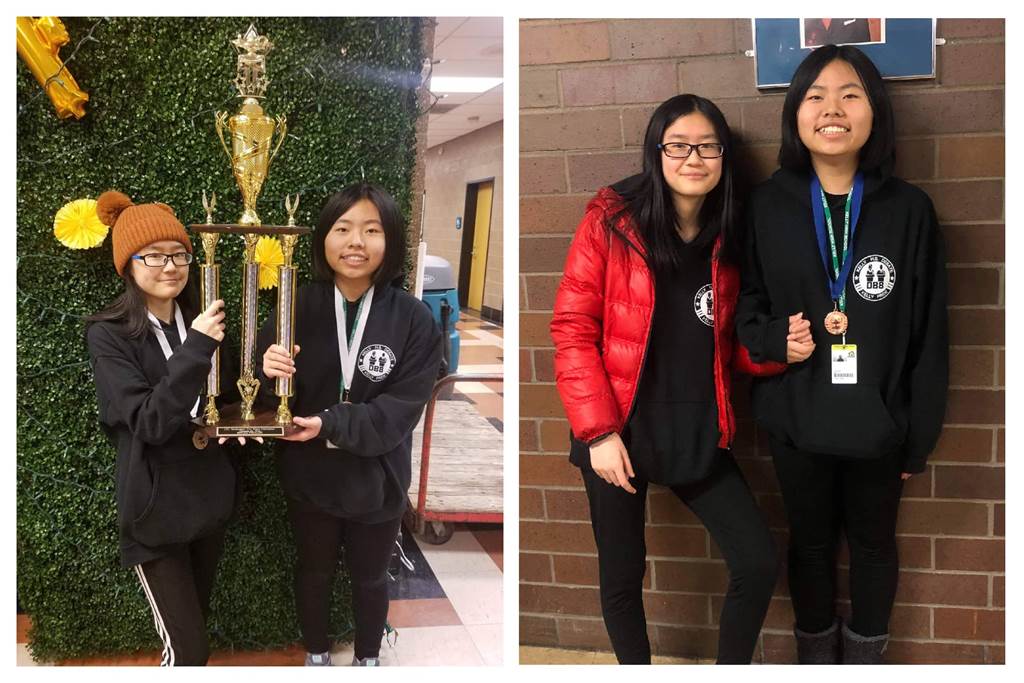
(376, 362)
(704, 305)
(874, 277)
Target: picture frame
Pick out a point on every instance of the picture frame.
(900, 48)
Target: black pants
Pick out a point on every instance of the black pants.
(368, 549)
(823, 493)
(725, 505)
(178, 588)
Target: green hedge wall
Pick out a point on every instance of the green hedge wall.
(347, 88)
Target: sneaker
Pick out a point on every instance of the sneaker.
(368, 661)
(322, 659)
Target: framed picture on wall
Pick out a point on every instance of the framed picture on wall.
(900, 48)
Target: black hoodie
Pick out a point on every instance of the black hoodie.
(168, 491)
(897, 319)
(367, 477)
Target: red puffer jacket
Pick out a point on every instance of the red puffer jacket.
(602, 323)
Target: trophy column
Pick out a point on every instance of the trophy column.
(248, 385)
(209, 283)
(286, 320)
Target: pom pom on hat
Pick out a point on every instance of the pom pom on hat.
(110, 204)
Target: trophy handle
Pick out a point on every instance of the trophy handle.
(221, 120)
(282, 130)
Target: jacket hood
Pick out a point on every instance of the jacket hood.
(796, 183)
(609, 202)
(606, 200)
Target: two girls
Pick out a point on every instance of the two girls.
(372, 353)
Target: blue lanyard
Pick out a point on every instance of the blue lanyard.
(836, 287)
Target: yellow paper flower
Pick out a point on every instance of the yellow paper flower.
(269, 256)
(77, 226)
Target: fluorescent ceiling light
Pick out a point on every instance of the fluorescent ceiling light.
(454, 84)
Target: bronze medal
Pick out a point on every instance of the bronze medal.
(200, 439)
(836, 323)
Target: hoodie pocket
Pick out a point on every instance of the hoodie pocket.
(190, 499)
(334, 480)
(849, 420)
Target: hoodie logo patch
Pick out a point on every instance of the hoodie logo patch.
(376, 362)
(704, 305)
(874, 277)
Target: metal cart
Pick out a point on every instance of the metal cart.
(464, 481)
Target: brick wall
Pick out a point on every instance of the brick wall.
(587, 88)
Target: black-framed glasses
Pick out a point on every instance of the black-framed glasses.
(682, 150)
(155, 260)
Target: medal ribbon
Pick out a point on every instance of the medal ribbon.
(165, 346)
(823, 225)
(348, 347)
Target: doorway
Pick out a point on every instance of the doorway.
(475, 239)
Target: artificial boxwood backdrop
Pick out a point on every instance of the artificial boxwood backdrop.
(347, 87)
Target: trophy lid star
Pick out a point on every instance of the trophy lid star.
(252, 42)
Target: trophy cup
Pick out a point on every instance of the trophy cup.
(251, 132)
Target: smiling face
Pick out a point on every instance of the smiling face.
(834, 120)
(693, 176)
(354, 246)
(160, 284)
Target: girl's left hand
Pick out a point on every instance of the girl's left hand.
(310, 429)
(905, 476)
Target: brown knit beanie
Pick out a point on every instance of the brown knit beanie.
(137, 225)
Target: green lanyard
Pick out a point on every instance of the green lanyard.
(350, 335)
(832, 240)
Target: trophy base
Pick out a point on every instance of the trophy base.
(264, 424)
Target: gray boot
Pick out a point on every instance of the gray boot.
(818, 648)
(858, 649)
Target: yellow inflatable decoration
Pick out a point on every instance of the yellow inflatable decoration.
(39, 40)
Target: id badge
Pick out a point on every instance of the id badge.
(844, 364)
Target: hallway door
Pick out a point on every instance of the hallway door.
(481, 235)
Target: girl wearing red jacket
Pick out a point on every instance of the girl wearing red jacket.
(644, 349)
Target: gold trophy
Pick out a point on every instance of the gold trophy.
(251, 133)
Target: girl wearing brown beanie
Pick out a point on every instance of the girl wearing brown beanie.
(175, 489)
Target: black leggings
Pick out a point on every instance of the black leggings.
(178, 588)
(368, 549)
(728, 510)
(823, 493)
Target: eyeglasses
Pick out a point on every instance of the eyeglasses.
(160, 260)
(682, 150)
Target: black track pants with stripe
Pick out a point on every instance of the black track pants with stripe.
(178, 588)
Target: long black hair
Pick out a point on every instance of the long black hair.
(879, 151)
(337, 204)
(130, 309)
(648, 198)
